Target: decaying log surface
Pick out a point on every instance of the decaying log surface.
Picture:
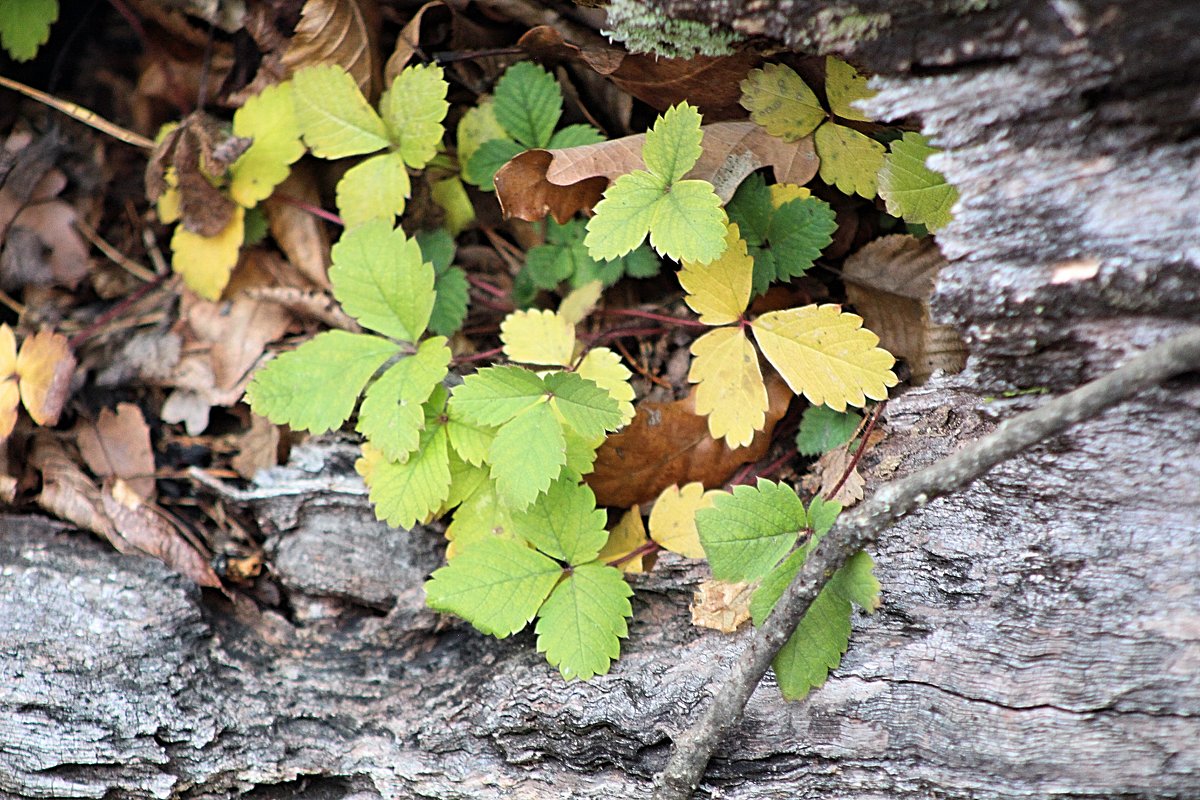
(1040, 633)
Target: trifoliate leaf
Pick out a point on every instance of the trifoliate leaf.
(496, 585)
(269, 118)
(527, 455)
(494, 395)
(413, 108)
(751, 209)
(911, 189)
(826, 355)
(799, 231)
(451, 196)
(315, 387)
(574, 136)
(582, 622)
(538, 337)
(478, 125)
(673, 144)
(586, 407)
(528, 103)
(730, 390)
(381, 279)
(206, 262)
(719, 291)
(603, 367)
(25, 26)
(849, 160)
(673, 518)
(779, 100)
(564, 523)
(746, 532)
(334, 117)
(487, 159)
(628, 535)
(481, 515)
(407, 492)
(377, 188)
(688, 223)
(391, 416)
(822, 429)
(844, 86)
(624, 215)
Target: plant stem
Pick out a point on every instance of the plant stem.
(862, 448)
(633, 312)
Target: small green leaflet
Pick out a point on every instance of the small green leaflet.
(747, 531)
(564, 257)
(450, 282)
(269, 119)
(683, 218)
(582, 623)
(334, 118)
(391, 416)
(528, 453)
(375, 189)
(413, 108)
(381, 279)
(564, 523)
(911, 189)
(784, 241)
(25, 26)
(822, 429)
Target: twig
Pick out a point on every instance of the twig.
(858, 454)
(81, 114)
(856, 530)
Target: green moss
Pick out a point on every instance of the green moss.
(842, 26)
(643, 29)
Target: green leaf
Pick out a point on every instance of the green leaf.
(478, 125)
(822, 429)
(437, 247)
(673, 145)
(641, 263)
(377, 188)
(745, 533)
(751, 209)
(333, 116)
(849, 159)
(843, 86)
(469, 440)
(25, 26)
(315, 387)
(581, 453)
(496, 585)
(586, 407)
(413, 108)
(564, 523)
(527, 455)
(450, 302)
(689, 223)
(779, 100)
(623, 215)
(494, 395)
(799, 231)
(407, 492)
(391, 416)
(857, 583)
(489, 157)
(574, 136)
(481, 515)
(528, 103)
(269, 118)
(581, 625)
(911, 189)
(550, 264)
(382, 281)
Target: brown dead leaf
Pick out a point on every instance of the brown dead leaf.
(562, 182)
(428, 27)
(889, 282)
(828, 470)
(722, 606)
(117, 445)
(338, 32)
(44, 368)
(258, 448)
(145, 531)
(668, 443)
(308, 305)
(199, 149)
(66, 491)
(711, 83)
(238, 332)
(301, 236)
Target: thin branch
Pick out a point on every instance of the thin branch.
(80, 114)
(856, 530)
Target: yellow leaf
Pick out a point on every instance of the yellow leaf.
(673, 518)
(719, 291)
(269, 118)
(377, 188)
(731, 390)
(169, 200)
(784, 192)
(8, 352)
(538, 337)
(580, 302)
(10, 397)
(451, 196)
(626, 536)
(604, 368)
(826, 355)
(44, 367)
(206, 262)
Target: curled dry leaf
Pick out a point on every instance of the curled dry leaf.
(722, 606)
(668, 443)
(66, 492)
(117, 445)
(427, 27)
(562, 182)
(828, 470)
(258, 448)
(300, 235)
(338, 32)
(889, 282)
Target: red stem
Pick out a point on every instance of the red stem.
(478, 356)
(316, 211)
(633, 312)
(641, 550)
(862, 448)
(490, 288)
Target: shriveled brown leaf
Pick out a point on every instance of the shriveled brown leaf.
(117, 445)
(668, 443)
(238, 332)
(562, 182)
(198, 149)
(66, 492)
(146, 532)
(57, 255)
(308, 305)
(722, 606)
(889, 282)
(44, 367)
(711, 83)
(338, 32)
(258, 448)
(300, 235)
(428, 27)
(828, 470)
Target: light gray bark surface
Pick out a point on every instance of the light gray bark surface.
(1040, 632)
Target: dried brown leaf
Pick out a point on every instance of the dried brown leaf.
(308, 305)
(117, 445)
(562, 182)
(300, 235)
(258, 448)
(889, 282)
(145, 531)
(338, 32)
(828, 470)
(60, 257)
(722, 606)
(428, 27)
(66, 492)
(238, 332)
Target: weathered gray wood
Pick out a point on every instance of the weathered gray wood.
(1040, 633)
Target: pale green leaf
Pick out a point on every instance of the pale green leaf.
(911, 189)
(779, 100)
(586, 407)
(451, 196)
(623, 216)
(315, 387)
(746, 532)
(527, 455)
(844, 86)
(478, 125)
(528, 103)
(470, 440)
(603, 367)
(564, 523)
(269, 118)
(494, 395)
(822, 429)
(381, 279)
(673, 144)
(582, 622)
(849, 160)
(581, 453)
(413, 108)
(334, 118)
(688, 223)
(391, 416)
(496, 585)
(405, 493)
(377, 188)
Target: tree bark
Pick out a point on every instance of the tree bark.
(1040, 631)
